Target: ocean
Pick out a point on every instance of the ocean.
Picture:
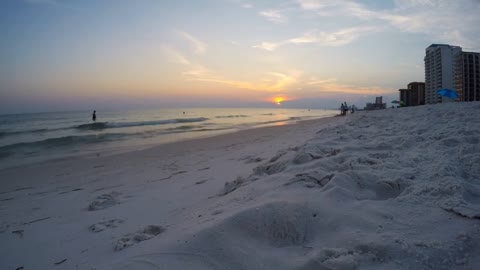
(30, 138)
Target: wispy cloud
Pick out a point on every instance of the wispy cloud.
(278, 83)
(275, 16)
(191, 67)
(442, 20)
(198, 46)
(333, 39)
(333, 86)
(325, 81)
(196, 71)
(247, 5)
(336, 8)
(174, 56)
(233, 42)
(269, 46)
(453, 22)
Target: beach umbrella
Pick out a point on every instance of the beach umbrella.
(395, 101)
(447, 93)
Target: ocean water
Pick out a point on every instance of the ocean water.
(29, 138)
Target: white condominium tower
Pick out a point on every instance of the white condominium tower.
(439, 71)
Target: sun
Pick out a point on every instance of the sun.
(278, 100)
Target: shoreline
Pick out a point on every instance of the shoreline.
(121, 150)
(39, 138)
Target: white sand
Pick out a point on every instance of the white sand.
(393, 189)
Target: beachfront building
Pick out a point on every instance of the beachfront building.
(414, 95)
(467, 76)
(378, 105)
(440, 61)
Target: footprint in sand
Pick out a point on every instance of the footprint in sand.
(201, 182)
(217, 212)
(232, 186)
(311, 179)
(104, 201)
(251, 159)
(100, 226)
(146, 233)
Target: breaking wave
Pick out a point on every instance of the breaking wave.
(231, 116)
(31, 147)
(10, 133)
(105, 125)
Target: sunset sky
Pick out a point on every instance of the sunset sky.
(78, 55)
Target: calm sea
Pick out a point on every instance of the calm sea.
(28, 138)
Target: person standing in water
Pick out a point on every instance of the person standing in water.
(94, 116)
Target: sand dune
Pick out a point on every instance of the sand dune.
(392, 189)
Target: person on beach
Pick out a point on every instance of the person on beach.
(353, 109)
(345, 108)
(342, 109)
(94, 116)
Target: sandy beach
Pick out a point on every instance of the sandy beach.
(390, 189)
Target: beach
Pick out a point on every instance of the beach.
(387, 189)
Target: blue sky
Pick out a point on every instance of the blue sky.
(75, 55)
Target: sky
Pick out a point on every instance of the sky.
(60, 55)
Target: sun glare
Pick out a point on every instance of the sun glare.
(278, 100)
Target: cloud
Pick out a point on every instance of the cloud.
(198, 45)
(334, 8)
(292, 84)
(175, 56)
(325, 81)
(446, 21)
(333, 39)
(192, 69)
(195, 71)
(198, 71)
(454, 22)
(247, 5)
(269, 46)
(332, 86)
(276, 83)
(337, 38)
(281, 80)
(275, 16)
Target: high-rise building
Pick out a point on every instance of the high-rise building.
(404, 97)
(440, 61)
(467, 76)
(414, 95)
(417, 93)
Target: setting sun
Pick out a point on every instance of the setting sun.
(278, 100)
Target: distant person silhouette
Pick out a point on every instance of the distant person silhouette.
(345, 108)
(94, 116)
